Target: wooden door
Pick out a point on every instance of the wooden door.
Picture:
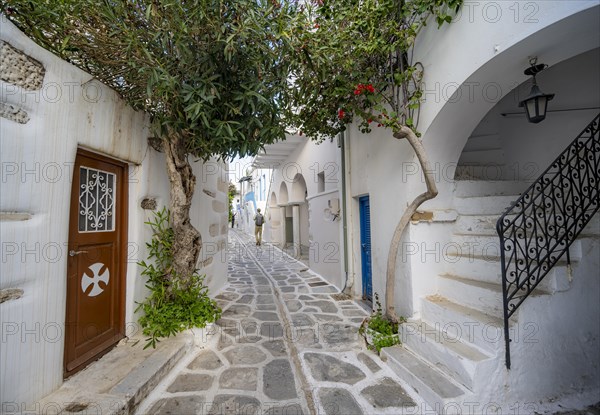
(365, 245)
(95, 315)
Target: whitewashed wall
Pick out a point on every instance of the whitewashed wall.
(576, 85)
(470, 66)
(324, 233)
(68, 111)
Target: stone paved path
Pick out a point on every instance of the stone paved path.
(283, 347)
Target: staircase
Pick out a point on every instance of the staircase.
(457, 343)
(483, 158)
(454, 353)
(451, 352)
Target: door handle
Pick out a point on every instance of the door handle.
(73, 252)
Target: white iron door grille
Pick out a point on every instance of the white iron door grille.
(97, 192)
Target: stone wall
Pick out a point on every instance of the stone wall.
(20, 70)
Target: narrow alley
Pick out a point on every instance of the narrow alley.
(282, 346)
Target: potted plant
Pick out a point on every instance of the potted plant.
(378, 330)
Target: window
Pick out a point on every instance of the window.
(321, 182)
(96, 200)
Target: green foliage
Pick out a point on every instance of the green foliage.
(383, 330)
(174, 304)
(354, 61)
(232, 191)
(209, 71)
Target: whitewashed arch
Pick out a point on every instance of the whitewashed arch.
(298, 189)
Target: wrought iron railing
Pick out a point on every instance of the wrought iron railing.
(539, 227)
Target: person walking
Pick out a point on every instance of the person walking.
(259, 220)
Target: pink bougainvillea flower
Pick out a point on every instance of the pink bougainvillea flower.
(370, 88)
(341, 114)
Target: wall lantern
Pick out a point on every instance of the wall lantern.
(537, 102)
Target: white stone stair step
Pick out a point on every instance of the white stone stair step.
(490, 272)
(488, 246)
(483, 142)
(492, 155)
(491, 171)
(465, 323)
(485, 267)
(431, 384)
(458, 360)
(486, 225)
(483, 205)
(476, 242)
(472, 261)
(474, 188)
(593, 227)
(480, 295)
(476, 224)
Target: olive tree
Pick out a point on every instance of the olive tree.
(209, 73)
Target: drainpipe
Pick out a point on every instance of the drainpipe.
(268, 203)
(347, 284)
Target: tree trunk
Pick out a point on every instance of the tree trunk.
(187, 241)
(431, 192)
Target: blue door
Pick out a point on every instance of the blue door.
(365, 247)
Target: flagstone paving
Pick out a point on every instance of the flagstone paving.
(283, 346)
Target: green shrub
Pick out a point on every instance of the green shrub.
(384, 331)
(174, 303)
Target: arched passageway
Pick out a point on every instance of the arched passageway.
(300, 216)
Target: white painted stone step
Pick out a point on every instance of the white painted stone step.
(491, 171)
(472, 261)
(488, 246)
(483, 205)
(474, 266)
(490, 272)
(465, 323)
(457, 359)
(482, 157)
(474, 188)
(483, 142)
(479, 295)
(431, 384)
(485, 225)
(593, 227)
(476, 224)
(476, 242)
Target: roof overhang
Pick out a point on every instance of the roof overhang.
(274, 155)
